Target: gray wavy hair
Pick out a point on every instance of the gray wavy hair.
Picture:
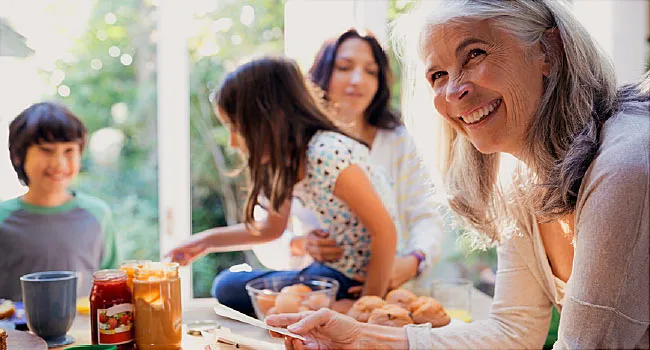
(579, 96)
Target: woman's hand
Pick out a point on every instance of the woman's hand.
(323, 329)
(322, 248)
(190, 250)
(405, 268)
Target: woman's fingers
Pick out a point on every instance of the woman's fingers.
(276, 334)
(324, 251)
(319, 233)
(299, 323)
(297, 344)
(282, 320)
(311, 321)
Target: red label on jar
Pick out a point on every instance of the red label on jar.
(115, 324)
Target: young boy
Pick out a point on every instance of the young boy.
(51, 227)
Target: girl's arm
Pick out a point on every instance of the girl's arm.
(231, 238)
(354, 188)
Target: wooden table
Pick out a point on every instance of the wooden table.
(196, 310)
(201, 309)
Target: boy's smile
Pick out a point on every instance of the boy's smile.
(51, 167)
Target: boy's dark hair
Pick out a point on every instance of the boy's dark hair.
(268, 102)
(378, 112)
(42, 123)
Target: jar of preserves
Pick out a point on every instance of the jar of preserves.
(158, 310)
(111, 310)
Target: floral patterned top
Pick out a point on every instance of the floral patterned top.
(328, 154)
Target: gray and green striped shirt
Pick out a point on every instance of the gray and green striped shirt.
(76, 236)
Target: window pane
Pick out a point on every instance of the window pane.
(99, 59)
(224, 35)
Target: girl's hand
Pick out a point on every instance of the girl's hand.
(190, 250)
(298, 246)
(323, 329)
(322, 248)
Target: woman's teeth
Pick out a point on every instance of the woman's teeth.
(481, 113)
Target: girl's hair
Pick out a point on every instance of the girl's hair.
(579, 96)
(42, 123)
(268, 102)
(378, 112)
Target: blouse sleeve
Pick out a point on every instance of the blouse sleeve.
(330, 155)
(519, 317)
(420, 213)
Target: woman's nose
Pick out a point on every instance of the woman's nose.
(357, 76)
(457, 90)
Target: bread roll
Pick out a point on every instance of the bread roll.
(429, 310)
(362, 308)
(390, 315)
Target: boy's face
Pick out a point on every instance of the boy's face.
(51, 167)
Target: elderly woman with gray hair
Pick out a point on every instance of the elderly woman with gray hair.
(572, 226)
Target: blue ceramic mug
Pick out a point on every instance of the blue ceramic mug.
(50, 300)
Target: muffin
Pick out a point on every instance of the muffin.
(3, 339)
(265, 300)
(287, 303)
(429, 310)
(316, 301)
(390, 315)
(401, 297)
(362, 308)
(6, 309)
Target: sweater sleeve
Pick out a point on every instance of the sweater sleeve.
(420, 214)
(519, 317)
(607, 301)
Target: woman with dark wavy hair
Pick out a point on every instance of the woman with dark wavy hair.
(572, 227)
(353, 71)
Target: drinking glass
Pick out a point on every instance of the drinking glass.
(455, 296)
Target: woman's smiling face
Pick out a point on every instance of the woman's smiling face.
(485, 83)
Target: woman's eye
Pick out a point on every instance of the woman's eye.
(437, 75)
(475, 53)
(343, 68)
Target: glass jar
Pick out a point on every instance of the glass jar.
(158, 310)
(111, 309)
(129, 267)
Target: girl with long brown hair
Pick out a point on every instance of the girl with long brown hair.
(294, 150)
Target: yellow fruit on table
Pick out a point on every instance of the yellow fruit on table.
(461, 315)
(83, 306)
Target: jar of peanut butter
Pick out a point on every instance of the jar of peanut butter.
(158, 310)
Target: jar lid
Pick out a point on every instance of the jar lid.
(109, 275)
(157, 271)
(133, 263)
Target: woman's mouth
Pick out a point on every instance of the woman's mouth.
(478, 115)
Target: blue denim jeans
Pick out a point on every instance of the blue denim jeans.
(230, 287)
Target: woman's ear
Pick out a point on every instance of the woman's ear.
(551, 46)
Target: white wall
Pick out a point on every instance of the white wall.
(621, 28)
(310, 22)
(20, 86)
